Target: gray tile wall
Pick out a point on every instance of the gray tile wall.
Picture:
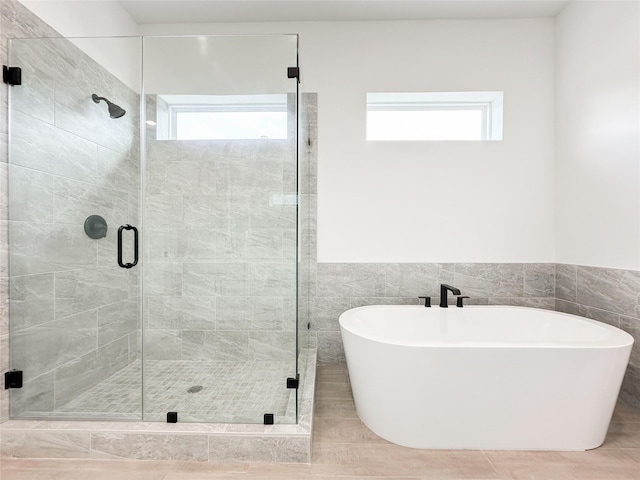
(220, 250)
(607, 295)
(341, 286)
(74, 311)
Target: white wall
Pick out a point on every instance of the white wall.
(427, 202)
(598, 134)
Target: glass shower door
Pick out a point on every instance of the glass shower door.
(73, 181)
(220, 214)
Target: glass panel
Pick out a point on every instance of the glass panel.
(220, 237)
(73, 180)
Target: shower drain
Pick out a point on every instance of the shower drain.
(194, 389)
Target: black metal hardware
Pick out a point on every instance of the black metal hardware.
(172, 417)
(459, 301)
(13, 379)
(427, 301)
(135, 246)
(12, 75)
(293, 72)
(444, 288)
(268, 418)
(95, 227)
(293, 382)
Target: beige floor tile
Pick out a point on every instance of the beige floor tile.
(333, 390)
(335, 408)
(393, 460)
(622, 435)
(601, 464)
(626, 413)
(339, 430)
(332, 373)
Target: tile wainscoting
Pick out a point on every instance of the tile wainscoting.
(604, 294)
(607, 295)
(341, 286)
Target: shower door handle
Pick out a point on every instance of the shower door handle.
(135, 246)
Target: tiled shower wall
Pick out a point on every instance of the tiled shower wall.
(74, 311)
(220, 237)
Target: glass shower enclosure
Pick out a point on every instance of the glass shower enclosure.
(153, 228)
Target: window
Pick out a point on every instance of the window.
(434, 116)
(226, 117)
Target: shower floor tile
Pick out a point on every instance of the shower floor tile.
(220, 392)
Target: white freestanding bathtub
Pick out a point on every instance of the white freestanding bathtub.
(484, 377)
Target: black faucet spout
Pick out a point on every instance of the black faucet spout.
(444, 289)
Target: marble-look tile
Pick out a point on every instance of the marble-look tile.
(163, 211)
(32, 300)
(118, 171)
(162, 344)
(264, 213)
(42, 348)
(215, 279)
(117, 320)
(259, 449)
(490, 279)
(81, 374)
(43, 147)
(81, 290)
(566, 282)
(369, 280)
(44, 248)
(415, 279)
(216, 211)
(36, 95)
(265, 244)
(164, 279)
(189, 448)
(273, 313)
(325, 312)
(330, 349)
(335, 280)
(272, 346)
(272, 279)
(45, 444)
(609, 289)
(31, 195)
(234, 313)
(35, 396)
(181, 178)
(186, 313)
(205, 345)
(74, 201)
(539, 280)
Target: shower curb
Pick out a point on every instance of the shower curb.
(190, 442)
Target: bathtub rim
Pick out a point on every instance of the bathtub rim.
(624, 339)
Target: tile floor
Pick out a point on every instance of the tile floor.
(232, 392)
(344, 449)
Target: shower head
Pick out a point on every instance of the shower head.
(114, 110)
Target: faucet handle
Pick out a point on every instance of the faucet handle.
(459, 301)
(427, 301)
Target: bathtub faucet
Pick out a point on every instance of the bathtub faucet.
(444, 288)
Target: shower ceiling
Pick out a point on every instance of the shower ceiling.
(205, 11)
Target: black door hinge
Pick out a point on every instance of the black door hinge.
(293, 382)
(12, 75)
(13, 379)
(293, 72)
